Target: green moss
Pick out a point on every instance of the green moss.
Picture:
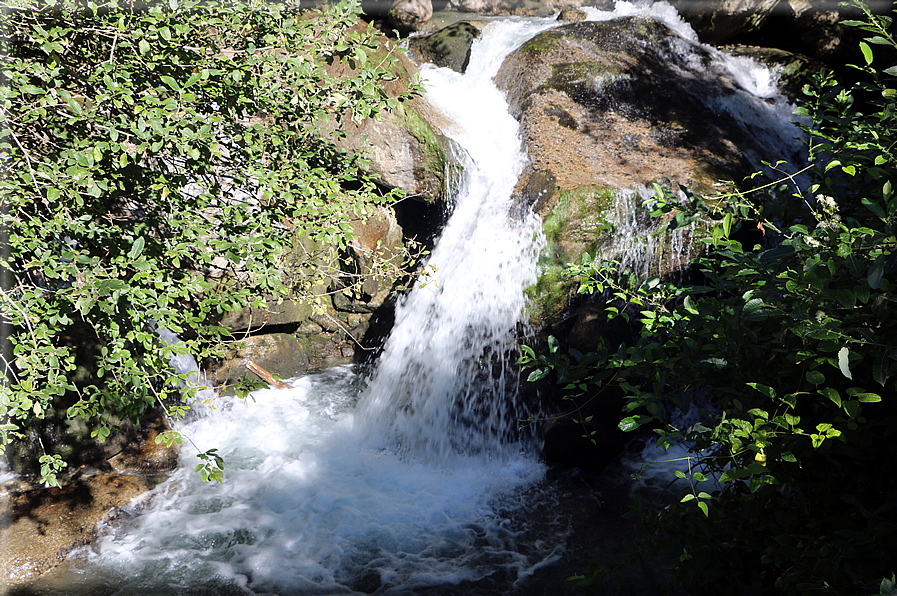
(421, 130)
(544, 42)
(434, 146)
(576, 224)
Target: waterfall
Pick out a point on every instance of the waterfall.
(410, 481)
(397, 483)
(441, 385)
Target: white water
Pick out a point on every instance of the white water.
(405, 482)
(335, 485)
(441, 386)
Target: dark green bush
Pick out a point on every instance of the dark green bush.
(787, 351)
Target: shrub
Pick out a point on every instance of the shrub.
(785, 350)
(152, 150)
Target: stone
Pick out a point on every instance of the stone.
(717, 21)
(572, 15)
(408, 15)
(144, 456)
(250, 319)
(541, 8)
(449, 47)
(606, 110)
(279, 353)
(39, 528)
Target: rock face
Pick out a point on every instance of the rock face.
(280, 354)
(606, 109)
(627, 102)
(40, 527)
(405, 149)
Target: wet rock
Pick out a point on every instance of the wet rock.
(717, 21)
(533, 191)
(39, 528)
(280, 354)
(572, 15)
(607, 109)
(405, 148)
(793, 70)
(449, 47)
(145, 455)
(542, 8)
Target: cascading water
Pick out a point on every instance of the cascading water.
(440, 386)
(399, 484)
(337, 487)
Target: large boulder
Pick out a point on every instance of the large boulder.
(402, 149)
(606, 110)
(39, 527)
(408, 15)
(405, 147)
(280, 354)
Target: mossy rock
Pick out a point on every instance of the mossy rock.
(449, 47)
(574, 223)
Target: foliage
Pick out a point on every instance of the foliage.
(162, 160)
(783, 356)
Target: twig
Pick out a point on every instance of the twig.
(268, 377)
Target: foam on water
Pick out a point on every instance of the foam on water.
(340, 486)
(307, 506)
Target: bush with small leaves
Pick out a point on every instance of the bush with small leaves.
(161, 158)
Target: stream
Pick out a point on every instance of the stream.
(414, 479)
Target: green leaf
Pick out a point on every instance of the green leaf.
(538, 375)
(170, 82)
(702, 505)
(136, 248)
(764, 389)
(843, 364)
(727, 224)
(815, 377)
(629, 424)
(867, 52)
(874, 208)
(880, 369)
(832, 394)
(876, 272)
